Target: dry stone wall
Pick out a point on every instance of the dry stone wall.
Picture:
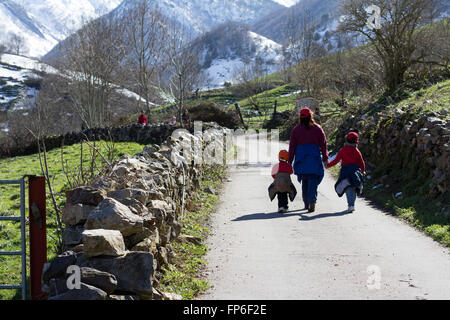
(157, 133)
(119, 229)
(407, 139)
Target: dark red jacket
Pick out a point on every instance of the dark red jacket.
(303, 135)
(282, 167)
(142, 119)
(349, 155)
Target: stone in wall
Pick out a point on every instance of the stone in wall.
(101, 242)
(85, 195)
(111, 214)
(73, 214)
(86, 292)
(99, 279)
(133, 271)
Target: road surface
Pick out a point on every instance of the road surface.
(257, 253)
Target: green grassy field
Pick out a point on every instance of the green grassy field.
(15, 168)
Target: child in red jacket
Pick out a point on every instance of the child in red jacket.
(282, 185)
(352, 170)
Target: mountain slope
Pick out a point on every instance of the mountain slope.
(43, 23)
(224, 51)
(272, 25)
(199, 16)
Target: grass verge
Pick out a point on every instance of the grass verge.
(408, 199)
(184, 276)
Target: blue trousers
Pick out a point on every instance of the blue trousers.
(351, 196)
(310, 183)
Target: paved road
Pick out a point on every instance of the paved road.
(257, 253)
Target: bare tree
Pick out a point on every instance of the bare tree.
(184, 68)
(400, 40)
(341, 73)
(92, 63)
(146, 39)
(17, 43)
(40, 128)
(438, 45)
(252, 80)
(299, 35)
(301, 51)
(2, 49)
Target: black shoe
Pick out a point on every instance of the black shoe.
(312, 207)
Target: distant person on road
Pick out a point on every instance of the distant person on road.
(308, 145)
(282, 185)
(353, 169)
(173, 121)
(143, 119)
(185, 118)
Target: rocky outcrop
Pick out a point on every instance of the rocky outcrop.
(120, 227)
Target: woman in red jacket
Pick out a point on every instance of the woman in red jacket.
(308, 146)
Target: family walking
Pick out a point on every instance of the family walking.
(307, 157)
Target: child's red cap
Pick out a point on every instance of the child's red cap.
(352, 136)
(283, 155)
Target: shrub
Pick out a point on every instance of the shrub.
(211, 112)
(285, 130)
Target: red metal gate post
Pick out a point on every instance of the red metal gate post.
(38, 234)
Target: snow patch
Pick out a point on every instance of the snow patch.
(225, 70)
(287, 3)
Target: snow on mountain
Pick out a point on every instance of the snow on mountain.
(43, 23)
(273, 25)
(266, 49)
(287, 3)
(223, 70)
(19, 78)
(203, 15)
(26, 64)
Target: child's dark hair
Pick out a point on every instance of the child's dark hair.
(351, 140)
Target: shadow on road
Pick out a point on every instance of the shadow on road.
(323, 215)
(277, 215)
(272, 215)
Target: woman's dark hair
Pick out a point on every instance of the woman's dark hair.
(308, 121)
